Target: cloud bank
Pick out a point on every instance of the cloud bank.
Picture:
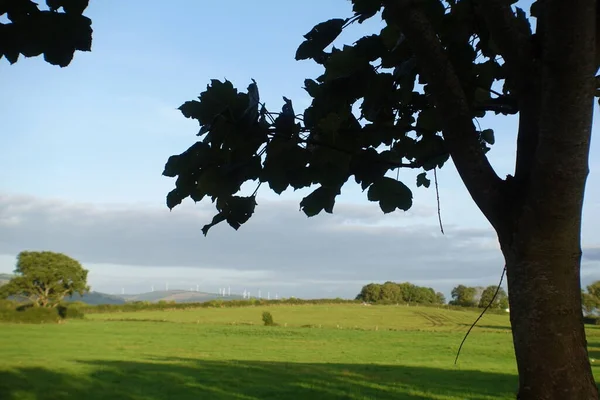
(279, 247)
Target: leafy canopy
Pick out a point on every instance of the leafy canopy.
(45, 278)
(397, 126)
(493, 299)
(404, 292)
(464, 296)
(32, 32)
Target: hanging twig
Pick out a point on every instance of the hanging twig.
(437, 194)
(480, 315)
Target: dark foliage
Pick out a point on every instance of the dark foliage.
(55, 34)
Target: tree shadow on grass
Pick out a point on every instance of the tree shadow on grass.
(183, 379)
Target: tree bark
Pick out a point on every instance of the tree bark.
(547, 320)
(542, 240)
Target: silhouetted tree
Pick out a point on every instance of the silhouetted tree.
(32, 32)
(447, 62)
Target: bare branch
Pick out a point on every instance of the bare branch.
(474, 168)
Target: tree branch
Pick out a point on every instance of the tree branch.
(513, 40)
(474, 168)
(392, 164)
(515, 44)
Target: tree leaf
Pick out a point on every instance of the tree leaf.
(391, 194)
(365, 9)
(239, 210)
(370, 47)
(323, 198)
(320, 36)
(191, 109)
(422, 180)
(217, 219)
(488, 136)
(344, 63)
(367, 167)
(428, 120)
(174, 198)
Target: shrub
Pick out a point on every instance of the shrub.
(30, 315)
(8, 305)
(268, 319)
(589, 320)
(70, 312)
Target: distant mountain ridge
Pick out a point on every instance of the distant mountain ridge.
(178, 296)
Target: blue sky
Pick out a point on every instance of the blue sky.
(91, 140)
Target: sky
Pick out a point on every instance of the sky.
(83, 148)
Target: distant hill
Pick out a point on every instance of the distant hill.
(95, 298)
(178, 296)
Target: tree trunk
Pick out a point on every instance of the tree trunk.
(540, 225)
(547, 322)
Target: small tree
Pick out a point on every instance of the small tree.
(464, 296)
(591, 299)
(370, 293)
(500, 301)
(45, 278)
(268, 319)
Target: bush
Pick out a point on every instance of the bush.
(8, 305)
(30, 315)
(268, 319)
(70, 312)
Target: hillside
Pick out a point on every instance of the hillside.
(179, 296)
(95, 298)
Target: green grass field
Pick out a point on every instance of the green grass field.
(317, 352)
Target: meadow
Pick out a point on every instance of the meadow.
(317, 352)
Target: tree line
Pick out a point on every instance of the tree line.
(479, 296)
(406, 292)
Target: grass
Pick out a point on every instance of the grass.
(379, 352)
